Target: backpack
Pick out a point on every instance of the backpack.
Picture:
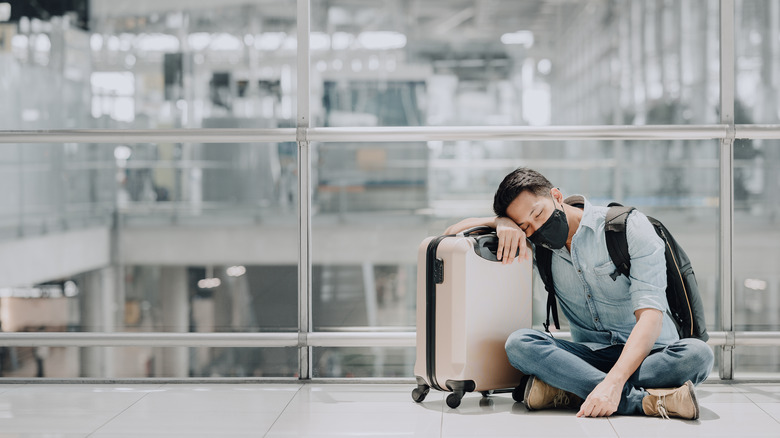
(682, 291)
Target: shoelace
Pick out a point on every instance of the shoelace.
(661, 407)
(561, 399)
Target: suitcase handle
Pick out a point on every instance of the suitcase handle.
(487, 247)
(482, 229)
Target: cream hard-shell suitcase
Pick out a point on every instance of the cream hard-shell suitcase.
(468, 303)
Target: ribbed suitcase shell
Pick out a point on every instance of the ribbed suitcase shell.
(478, 305)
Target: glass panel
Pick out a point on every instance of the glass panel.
(370, 203)
(514, 63)
(756, 231)
(234, 298)
(151, 65)
(211, 183)
(363, 362)
(757, 362)
(186, 213)
(237, 298)
(756, 186)
(50, 188)
(757, 35)
(147, 362)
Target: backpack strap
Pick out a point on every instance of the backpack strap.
(544, 264)
(617, 242)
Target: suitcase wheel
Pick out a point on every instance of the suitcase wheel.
(453, 400)
(419, 393)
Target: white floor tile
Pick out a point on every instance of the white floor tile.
(423, 423)
(219, 398)
(41, 435)
(720, 394)
(362, 398)
(500, 416)
(5, 388)
(327, 410)
(760, 393)
(772, 409)
(169, 435)
(222, 423)
(72, 421)
(717, 420)
(53, 398)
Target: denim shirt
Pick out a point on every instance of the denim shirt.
(601, 310)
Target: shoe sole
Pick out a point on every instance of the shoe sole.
(528, 386)
(692, 391)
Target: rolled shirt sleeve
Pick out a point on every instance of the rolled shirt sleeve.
(648, 264)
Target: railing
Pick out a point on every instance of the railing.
(312, 339)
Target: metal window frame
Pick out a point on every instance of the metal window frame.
(305, 339)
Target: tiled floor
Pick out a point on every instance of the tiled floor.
(354, 410)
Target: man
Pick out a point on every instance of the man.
(624, 342)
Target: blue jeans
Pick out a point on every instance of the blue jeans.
(577, 369)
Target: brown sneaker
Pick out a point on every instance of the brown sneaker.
(539, 395)
(672, 402)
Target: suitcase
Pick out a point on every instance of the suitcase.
(468, 303)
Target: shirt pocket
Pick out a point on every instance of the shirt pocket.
(604, 269)
(612, 293)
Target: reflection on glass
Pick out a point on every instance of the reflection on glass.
(674, 181)
(237, 298)
(367, 296)
(757, 31)
(245, 182)
(363, 362)
(756, 362)
(209, 299)
(149, 66)
(756, 186)
(520, 63)
(146, 362)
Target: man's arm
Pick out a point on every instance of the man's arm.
(510, 237)
(604, 399)
(471, 222)
(648, 298)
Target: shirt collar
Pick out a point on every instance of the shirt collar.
(589, 217)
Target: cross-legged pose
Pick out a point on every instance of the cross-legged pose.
(625, 356)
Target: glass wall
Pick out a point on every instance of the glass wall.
(203, 237)
(149, 362)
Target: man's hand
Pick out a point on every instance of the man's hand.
(602, 401)
(510, 239)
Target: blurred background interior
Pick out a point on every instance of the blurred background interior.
(189, 237)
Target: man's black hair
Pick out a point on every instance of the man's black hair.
(520, 180)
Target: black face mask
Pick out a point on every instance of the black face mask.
(554, 232)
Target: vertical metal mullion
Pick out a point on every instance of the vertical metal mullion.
(727, 91)
(304, 192)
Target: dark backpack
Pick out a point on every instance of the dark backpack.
(682, 291)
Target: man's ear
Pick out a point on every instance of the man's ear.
(557, 195)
